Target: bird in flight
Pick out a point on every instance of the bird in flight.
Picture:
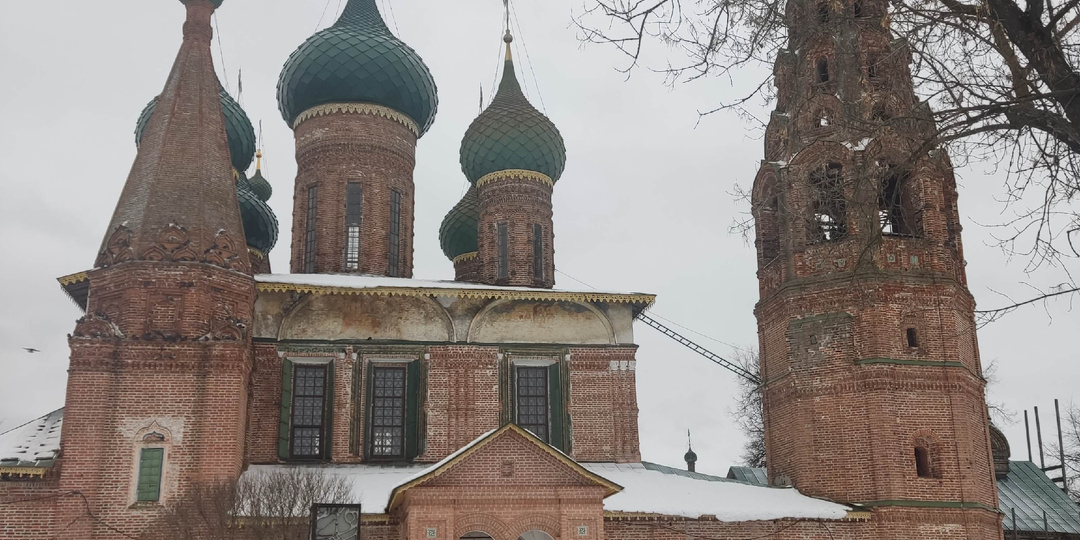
(31, 350)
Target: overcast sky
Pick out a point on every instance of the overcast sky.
(645, 204)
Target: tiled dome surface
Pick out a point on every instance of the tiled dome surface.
(260, 223)
(459, 231)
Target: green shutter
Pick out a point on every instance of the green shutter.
(412, 407)
(556, 406)
(328, 412)
(285, 425)
(149, 486)
(506, 392)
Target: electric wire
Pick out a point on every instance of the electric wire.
(321, 17)
(525, 47)
(393, 18)
(221, 55)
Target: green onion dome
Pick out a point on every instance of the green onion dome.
(259, 184)
(512, 134)
(358, 60)
(260, 223)
(237, 127)
(459, 231)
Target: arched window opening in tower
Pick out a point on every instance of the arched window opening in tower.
(502, 240)
(912, 337)
(353, 198)
(768, 225)
(823, 118)
(309, 233)
(874, 73)
(823, 12)
(823, 70)
(395, 234)
(896, 205)
(476, 535)
(923, 466)
(828, 222)
(538, 252)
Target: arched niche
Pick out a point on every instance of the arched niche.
(362, 317)
(541, 321)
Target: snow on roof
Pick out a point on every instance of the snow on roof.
(654, 492)
(33, 444)
(445, 460)
(346, 282)
(371, 484)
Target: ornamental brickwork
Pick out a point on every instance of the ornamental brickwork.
(514, 207)
(376, 151)
(873, 389)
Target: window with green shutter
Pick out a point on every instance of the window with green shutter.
(307, 399)
(538, 403)
(149, 485)
(393, 407)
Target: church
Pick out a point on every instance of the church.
(496, 406)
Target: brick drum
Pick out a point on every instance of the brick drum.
(519, 202)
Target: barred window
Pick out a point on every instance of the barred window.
(309, 236)
(395, 233)
(388, 412)
(353, 214)
(538, 251)
(309, 402)
(532, 400)
(503, 240)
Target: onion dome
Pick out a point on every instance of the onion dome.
(259, 184)
(260, 223)
(237, 126)
(690, 457)
(512, 134)
(459, 232)
(358, 60)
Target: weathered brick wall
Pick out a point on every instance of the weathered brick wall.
(603, 404)
(462, 399)
(28, 508)
(521, 203)
(468, 269)
(333, 150)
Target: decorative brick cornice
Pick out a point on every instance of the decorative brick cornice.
(517, 174)
(465, 257)
(358, 108)
(485, 293)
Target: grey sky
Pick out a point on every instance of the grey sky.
(645, 203)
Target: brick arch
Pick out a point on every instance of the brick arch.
(539, 522)
(819, 153)
(765, 206)
(809, 121)
(485, 523)
(926, 439)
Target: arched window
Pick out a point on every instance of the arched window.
(823, 119)
(897, 210)
(768, 224)
(823, 70)
(828, 206)
(924, 455)
(922, 462)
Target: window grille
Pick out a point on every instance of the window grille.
(504, 250)
(309, 236)
(309, 403)
(353, 213)
(532, 400)
(388, 412)
(395, 234)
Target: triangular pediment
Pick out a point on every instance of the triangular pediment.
(509, 456)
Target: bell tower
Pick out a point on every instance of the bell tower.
(873, 388)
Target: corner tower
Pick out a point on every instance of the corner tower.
(357, 99)
(873, 392)
(513, 154)
(158, 378)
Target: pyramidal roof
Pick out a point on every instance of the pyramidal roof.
(181, 189)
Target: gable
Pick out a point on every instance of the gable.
(509, 460)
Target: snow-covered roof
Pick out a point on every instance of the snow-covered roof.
(652, 491)
(646, 489)
(34, 444)
(381, 285)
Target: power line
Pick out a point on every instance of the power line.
(525, 47)
(221, 55)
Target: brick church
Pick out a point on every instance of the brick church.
(495, 406)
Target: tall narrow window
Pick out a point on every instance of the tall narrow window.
(828, 222)
(353, 198)
(395, 234)
(149, 483)
(823, 70)
(532, 400)
(503, 240)
(538, 251)
(922, 462)
(309, 235)
(388, 412)
(895, 206)
(309, 402)
(912, 338)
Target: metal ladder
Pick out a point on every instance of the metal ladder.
(715, 358)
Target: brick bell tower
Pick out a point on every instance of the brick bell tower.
(513, 154)
(873, 392)
(357, 99)
(157, 386)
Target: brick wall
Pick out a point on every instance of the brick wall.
(28, 508)
(520, 203)
(333, 150)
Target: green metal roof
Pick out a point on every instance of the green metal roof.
(260, 185)
(358, 60)
(1030, 492)
(512, 134)
(260, 223)
(752, 475)
(687, 474)
(238, 128)
(459, 231)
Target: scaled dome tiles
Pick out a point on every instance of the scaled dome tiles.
(459, 232)
(512, 134)
(358, 60)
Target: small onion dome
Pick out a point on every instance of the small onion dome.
(690, 456)
(237, 127)
(259, 184)
(458, 234)
(358, 60)
(260, 223)
(512, 134)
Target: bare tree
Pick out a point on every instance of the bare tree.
(1070, 427)
(265, 506)
(1002, 77)
(748, 413)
